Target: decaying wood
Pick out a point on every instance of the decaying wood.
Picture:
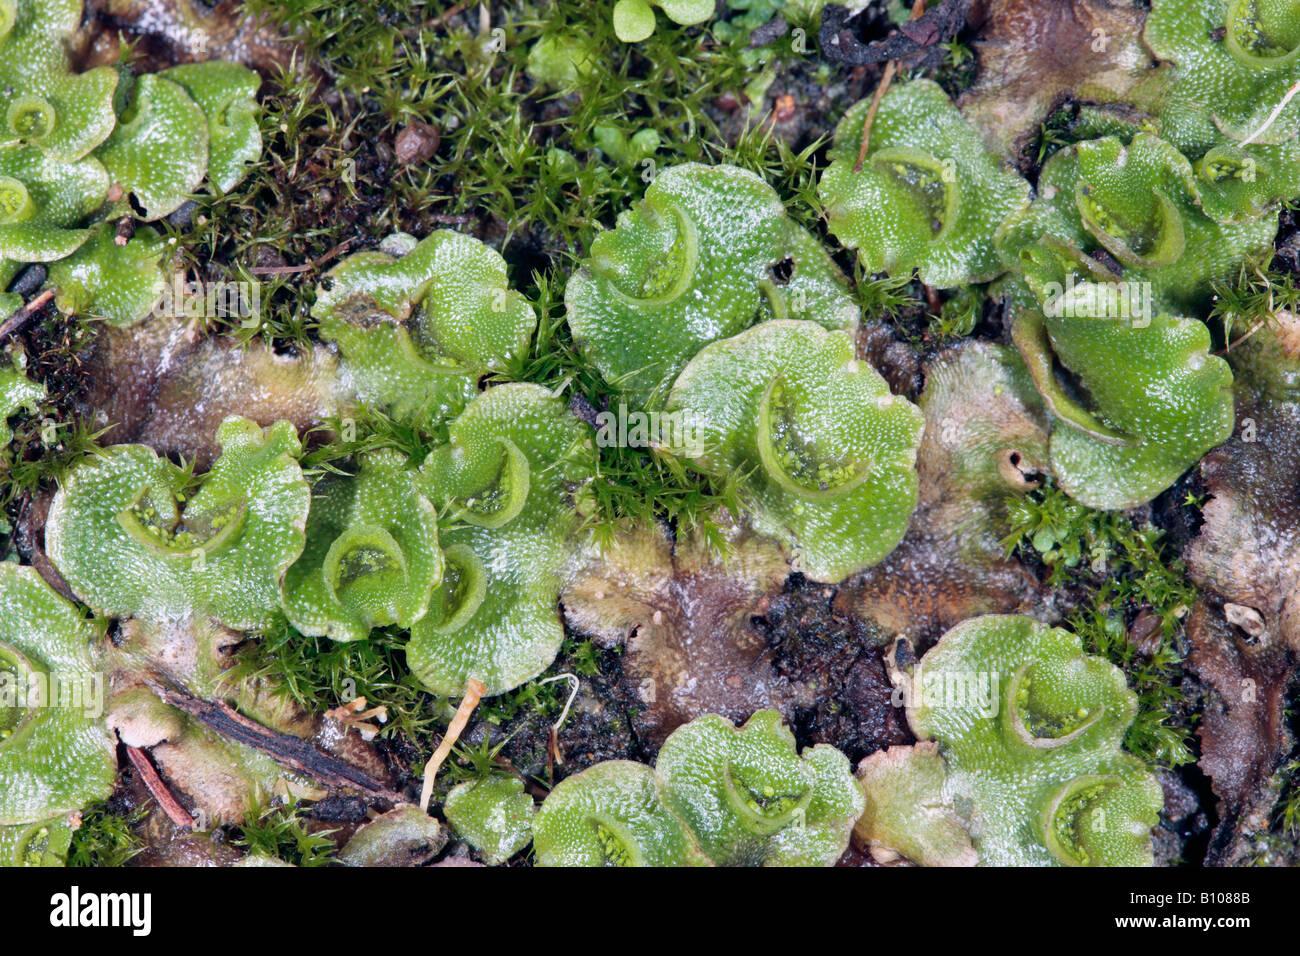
(293, 753)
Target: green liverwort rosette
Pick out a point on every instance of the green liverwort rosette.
(1030, 728)
(43, 202)
(120, 284)
(493, 814)
(42, 102)
(634, 20)
(372, 557)
(227, 95)
(718, 795)
(827, 455)
(418, 332)
(55, 755)
(752, 800)
(612, 814)
(507, 477)
(929, 197)
(1139, 204)
(17, 393)
(1233, 63)
(131, 538)
(707, 253)
(1157, 400)
(159, 150)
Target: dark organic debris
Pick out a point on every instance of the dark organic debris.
(917, 40)
(1243, 729)
(839, 691)
(1248, 555)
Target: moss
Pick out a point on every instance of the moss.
(1125, 571)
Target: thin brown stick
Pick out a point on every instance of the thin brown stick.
(886, 78)
(24, 315)
(474, 691)
(294, 753)
(305, 267)
(437, 21)
(158, 790)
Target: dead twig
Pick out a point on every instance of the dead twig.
(305, 267)
(474, 691)
(24, 315)
(288, 751)
(886, 79)
(158, 789)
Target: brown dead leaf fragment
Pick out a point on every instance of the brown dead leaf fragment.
(164, 384)
(984, 440)
(684, 617)
(1036, 54)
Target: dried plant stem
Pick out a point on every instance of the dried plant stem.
(891, 69)
(474, 691)
(158, 790)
